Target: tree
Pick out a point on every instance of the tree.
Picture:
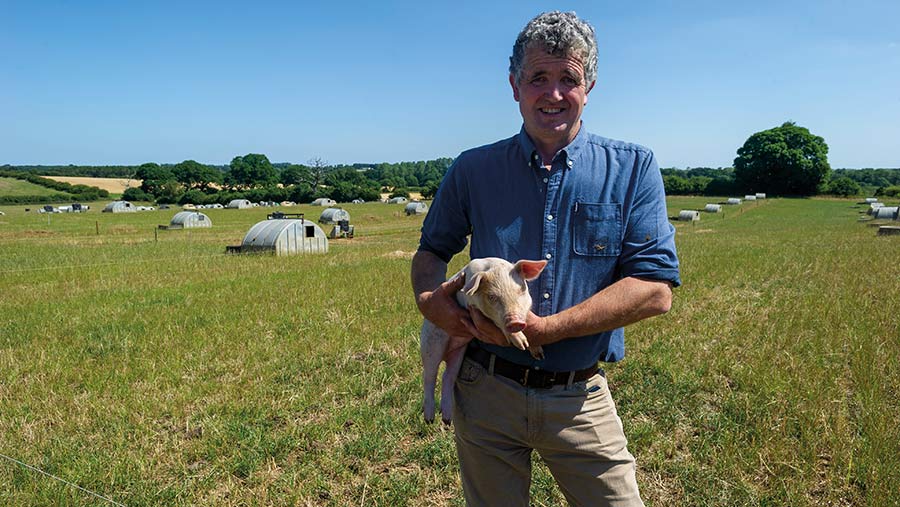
(785, 160)
(157, 180)
(253, 170)
(317, 169)
(430, 189)
(295, 174)
(844, 187)
(153, 171)
(136, 194)
(194, 175)
(888, 191)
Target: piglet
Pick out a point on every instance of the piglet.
(497, 288)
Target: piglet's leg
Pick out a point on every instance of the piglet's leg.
(518, 340)
(521, 342)
(432, 344)
(454, 361)
(536, 352)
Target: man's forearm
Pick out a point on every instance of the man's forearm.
(625, 302)
(427, 272)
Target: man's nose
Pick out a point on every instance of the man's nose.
(554, 92)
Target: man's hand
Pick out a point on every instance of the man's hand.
(440, 307)
(488, 332)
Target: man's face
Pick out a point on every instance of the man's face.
(551, 96)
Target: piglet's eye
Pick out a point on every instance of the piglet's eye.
(492, 298)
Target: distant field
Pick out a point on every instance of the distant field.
(13, 186)
(112, 185)
(151, 368)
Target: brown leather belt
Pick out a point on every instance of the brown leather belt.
(525, 376)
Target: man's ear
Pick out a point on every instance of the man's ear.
(588, 91)
(515, 88)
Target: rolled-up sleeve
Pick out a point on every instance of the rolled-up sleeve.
(648, 249)
(447, 224)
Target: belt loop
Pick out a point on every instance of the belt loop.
(491, 364)
(571, 379)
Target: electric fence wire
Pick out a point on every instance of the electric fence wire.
(26, 465)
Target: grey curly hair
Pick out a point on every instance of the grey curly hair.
(560, 34)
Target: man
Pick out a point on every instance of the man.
(595, 209)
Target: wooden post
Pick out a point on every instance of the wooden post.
(97, 226)
(156, 235)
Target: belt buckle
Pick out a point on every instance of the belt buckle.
(544, 381)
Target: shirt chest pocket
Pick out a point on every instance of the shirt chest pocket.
(597, 229)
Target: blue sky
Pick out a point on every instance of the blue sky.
(113, 82)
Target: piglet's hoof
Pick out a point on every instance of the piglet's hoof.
(518, 340)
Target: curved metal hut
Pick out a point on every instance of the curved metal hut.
(416, 208)
(189, 220)
(732, 201)
(873, 206)
(713, 208)
(689, 215)
(285, 237)
(333, 215)
(323, 201)
(119, 207)
(239, 204)
(886, 213)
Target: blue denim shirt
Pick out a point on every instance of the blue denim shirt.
(597, 216)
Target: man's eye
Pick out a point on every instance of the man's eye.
(538, 81)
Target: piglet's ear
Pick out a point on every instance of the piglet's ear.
(472, 284)
(529, 270)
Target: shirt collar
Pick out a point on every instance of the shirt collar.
(571, 151)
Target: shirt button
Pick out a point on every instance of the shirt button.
(549, 217)
(570, 163)
(548, 256)
(545, 180)
(546, 295)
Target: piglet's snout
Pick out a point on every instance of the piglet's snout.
(514, 324)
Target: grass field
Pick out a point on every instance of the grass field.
(15, 187)
(151, 368)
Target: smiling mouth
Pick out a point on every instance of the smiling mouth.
(551, 110)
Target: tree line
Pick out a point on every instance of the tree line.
(783, 161)
(787, 160)
(254, 177)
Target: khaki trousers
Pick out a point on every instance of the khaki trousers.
(574, 428)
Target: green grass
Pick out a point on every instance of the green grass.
(16, 187)
(153, 369)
